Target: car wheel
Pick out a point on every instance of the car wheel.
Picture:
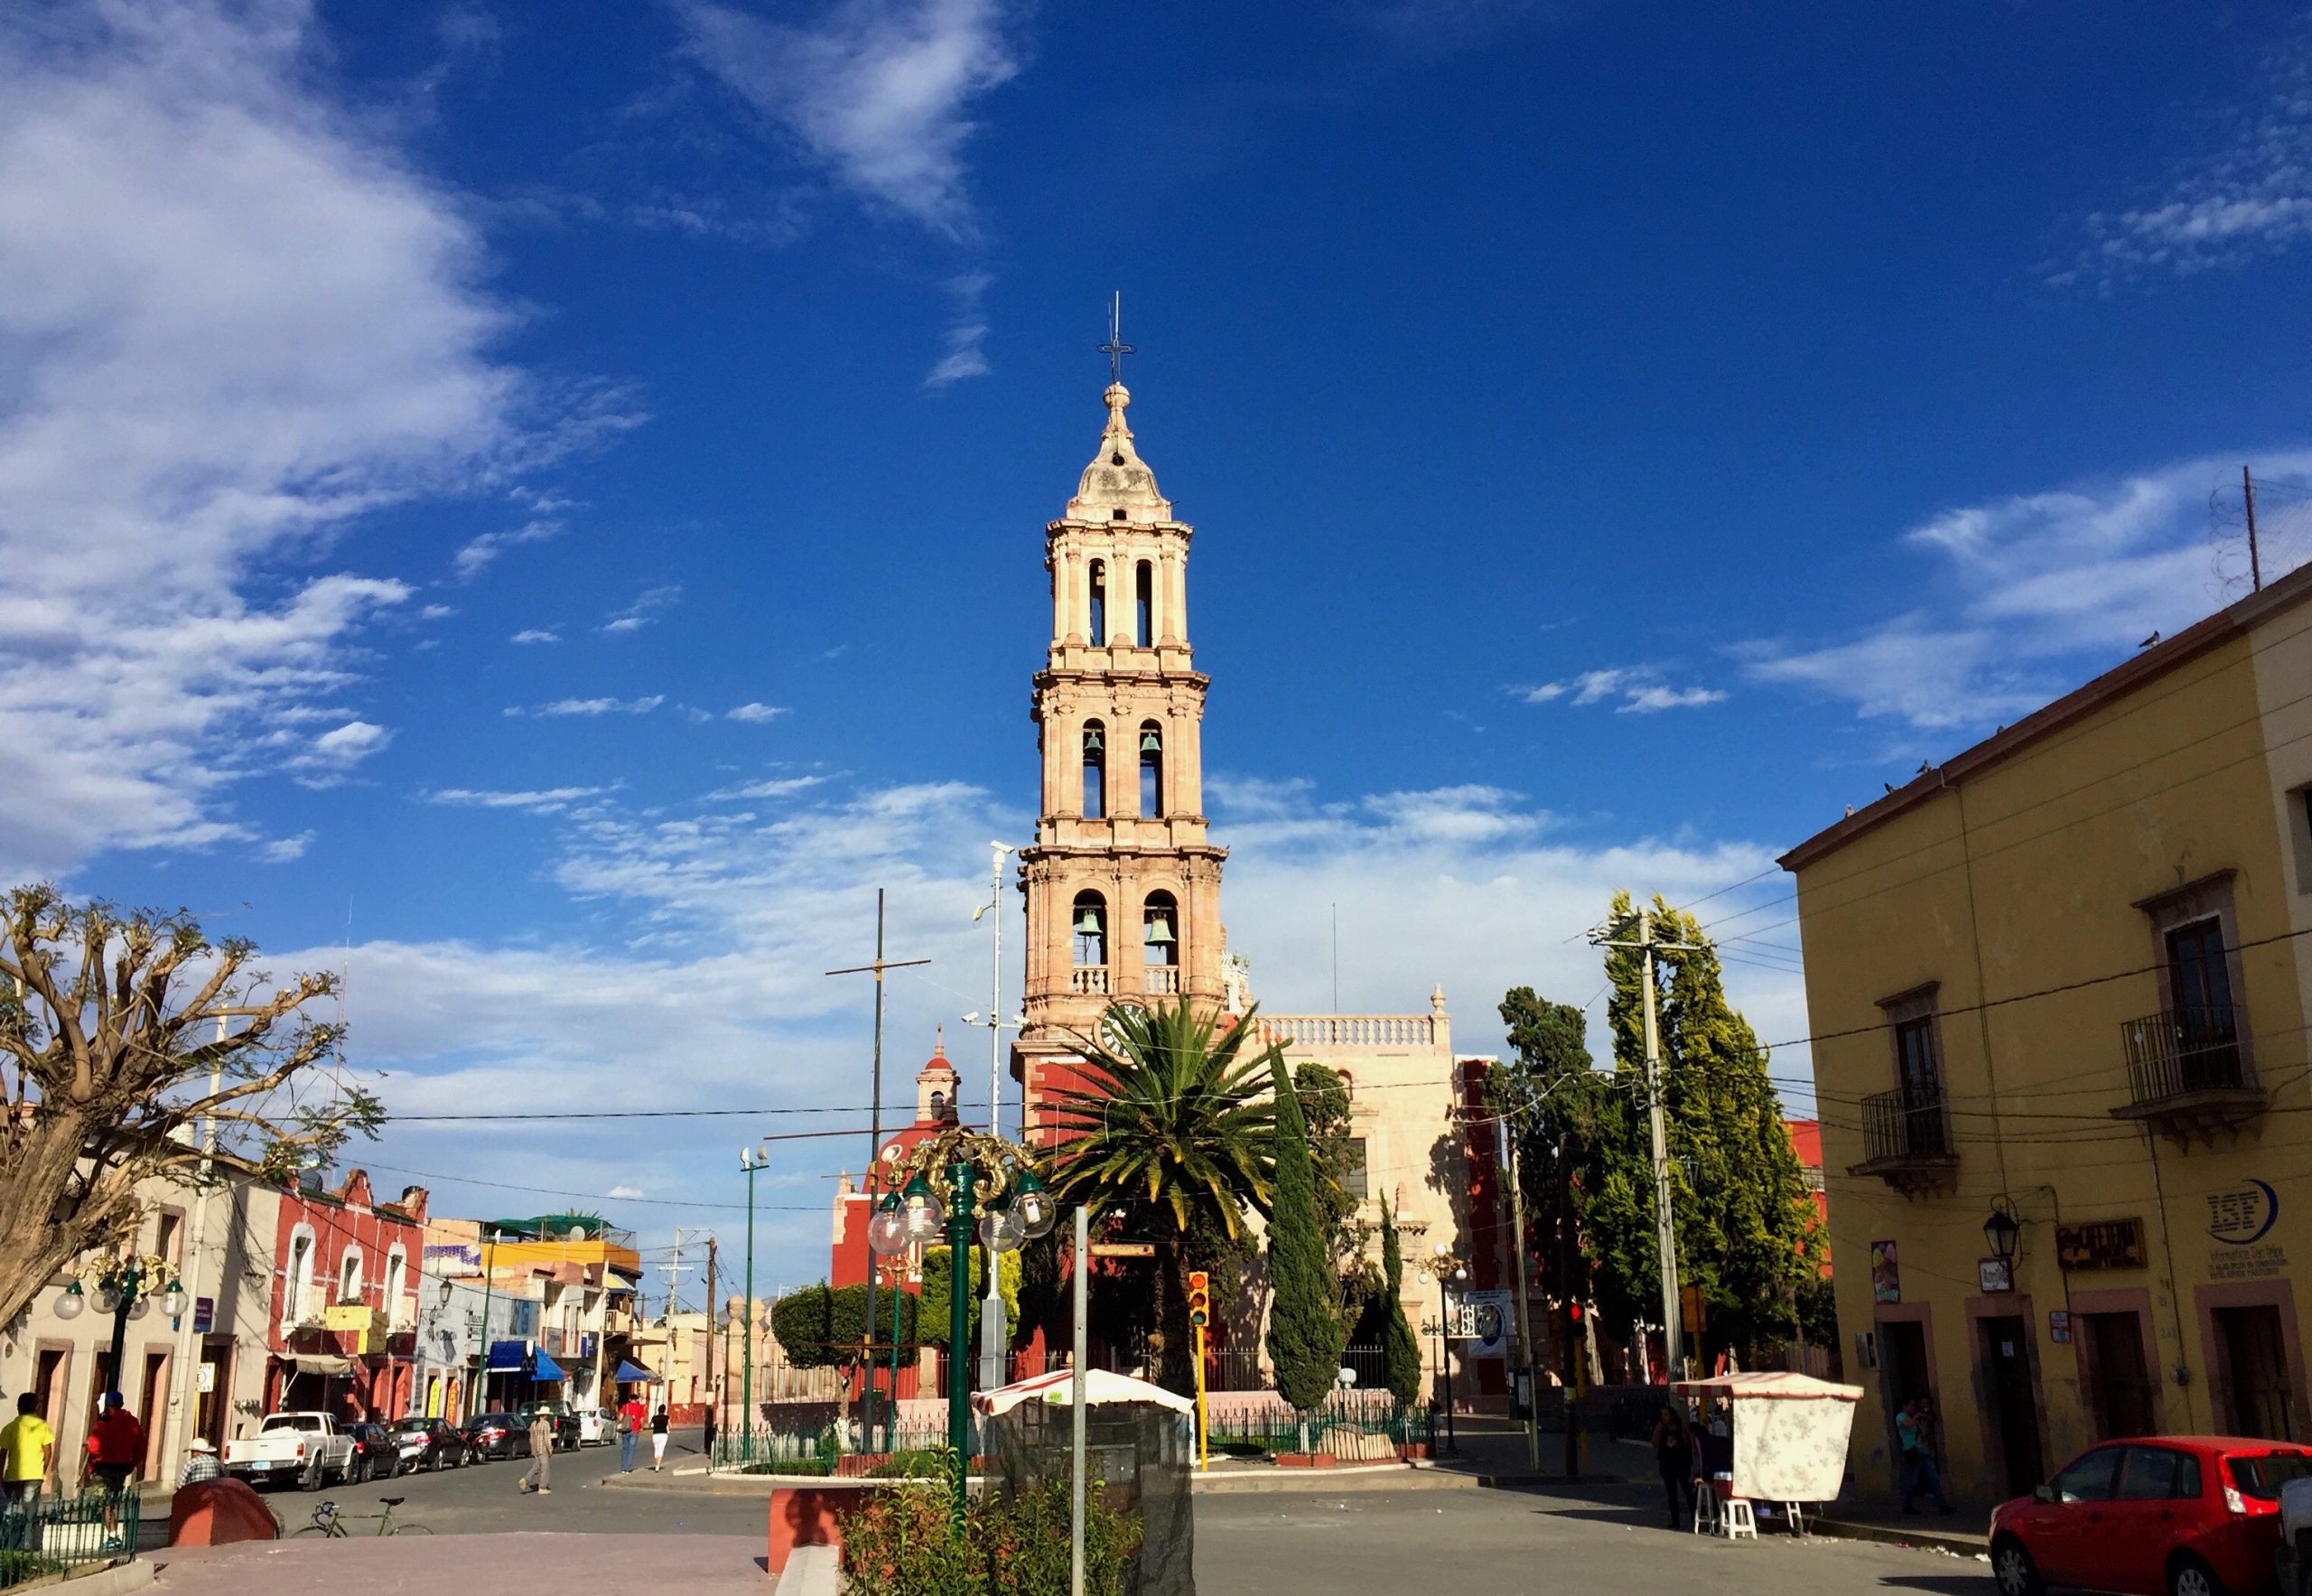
(2012, 1567)
(2190, 1576)
(310, 1480)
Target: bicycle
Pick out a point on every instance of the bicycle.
(330, 1523)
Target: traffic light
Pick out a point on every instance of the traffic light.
(1574, 1311)
(1199, 1297)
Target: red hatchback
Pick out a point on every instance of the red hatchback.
(2184, 1515)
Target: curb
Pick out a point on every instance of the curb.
(1958, 1543)
(1356, 1477)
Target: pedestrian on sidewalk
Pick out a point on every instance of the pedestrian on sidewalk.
(1915, 1442)
(710, 1435)
(631, 1417)
(540, 1451)
(1674, 1455)
(27, 1453)
(659, 1440)
(116, 1449)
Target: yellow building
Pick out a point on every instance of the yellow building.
(2061, 979)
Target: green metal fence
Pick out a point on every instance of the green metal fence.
(819, 1450)
(54, 1534)
(1270, 1427)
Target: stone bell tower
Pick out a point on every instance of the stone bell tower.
(1123, 885)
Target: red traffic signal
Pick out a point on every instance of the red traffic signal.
(1199, 1297)
(1574, 1311)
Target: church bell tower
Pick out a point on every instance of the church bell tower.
(1122, 884)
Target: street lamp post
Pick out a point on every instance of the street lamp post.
(751, 1160)
(1445, 1268)
(954, 1178)
(119, 1286)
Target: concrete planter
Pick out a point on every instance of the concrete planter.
(1307, 1459)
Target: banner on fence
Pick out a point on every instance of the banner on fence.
(1481, 1320)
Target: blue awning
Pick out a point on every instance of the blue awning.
(547, 1369)
(628, 1371)
(505, 1357)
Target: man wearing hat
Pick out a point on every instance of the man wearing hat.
(199, 1464)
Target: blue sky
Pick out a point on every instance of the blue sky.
(543, 506)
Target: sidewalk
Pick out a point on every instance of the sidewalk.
(641, 1565)
(1966, 1532)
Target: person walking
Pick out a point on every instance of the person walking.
(1915, 1444)
(27, 1453)
(631, 1417)
(1674, 1455)
(116, 1452)
(659, 1440)
(540, 1451)
(712, 1403)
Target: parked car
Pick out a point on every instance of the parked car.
(376, 1453)
(306, 1447)
(430, 1443)
(2184, 1515)
(596, 1426)
(566, 1421)
(498, 1435)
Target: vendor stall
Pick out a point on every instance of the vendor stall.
(1789, 1441)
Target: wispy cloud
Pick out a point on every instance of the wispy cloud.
(548, 800)
(875, 93)
(967, 336)
(482, 552)
(286, 850)
(1631, 689)
(2246, 194)
(436, 612)
(756, 713)
(535, 635)
(643, 612)
(190, 403)
(326, 759)
(625, 1194)
(778, 787)
(591, 707)
(2040, 590)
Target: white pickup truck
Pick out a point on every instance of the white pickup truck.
(305, 1447)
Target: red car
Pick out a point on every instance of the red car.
(2184, 1515)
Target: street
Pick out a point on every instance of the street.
(1272, 1543)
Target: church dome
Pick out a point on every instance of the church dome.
(1118, 486)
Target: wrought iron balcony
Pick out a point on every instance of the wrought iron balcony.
(1907, 1140)
(2188, 1073)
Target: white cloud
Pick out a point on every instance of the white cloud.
(1638, 689)
(755, 712)
(2247, 195)
(2043, 590)
(436, 612)
(196, 391)
(285, 850)
(642, 612)
(965, 352)
(482, 552)
(592, 706)
(875, 92)
(535, 635)
(627, 1193)
(777, 788)
(551, 800)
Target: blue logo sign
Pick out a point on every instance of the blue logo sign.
(2245, 1216)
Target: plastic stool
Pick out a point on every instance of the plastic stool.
(1739, 1521)
(1705, 1511)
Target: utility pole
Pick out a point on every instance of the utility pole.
(867, 1181)
(183, 1396)
(674, 1282)
(994, 1335)
(714, 1392)
(2255, 560)
(1666, 1235)
(1569, 1369)
(1525, 1321)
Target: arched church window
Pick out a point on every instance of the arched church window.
(1144, 606)
(1160, 930)
(1152, 769)
(1091, 919)
(1095, 770)
(1099, 588)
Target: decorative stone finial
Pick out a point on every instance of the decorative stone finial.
(1118, 486)
(1437, 998)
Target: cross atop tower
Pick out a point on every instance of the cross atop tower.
(1116, 349)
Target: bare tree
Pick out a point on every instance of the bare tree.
(119, 1032)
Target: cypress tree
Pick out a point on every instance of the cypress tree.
(1400, 1352)
(1304, 1327)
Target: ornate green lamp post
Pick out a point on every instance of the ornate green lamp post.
(118, 1285)
(947, 1183)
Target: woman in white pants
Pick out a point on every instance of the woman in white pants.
(659, 1440)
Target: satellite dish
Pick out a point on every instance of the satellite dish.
(577, 1233)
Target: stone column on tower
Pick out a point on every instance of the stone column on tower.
(1123, 895)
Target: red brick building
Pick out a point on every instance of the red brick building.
(345, 1300)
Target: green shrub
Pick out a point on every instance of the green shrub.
(903, 1544)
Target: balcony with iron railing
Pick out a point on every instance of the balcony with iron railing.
(1907, 1139)
(2189, 1074)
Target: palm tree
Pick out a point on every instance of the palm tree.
(1171, 1121)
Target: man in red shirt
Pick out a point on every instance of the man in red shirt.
(630, 1420)
(115, 1453)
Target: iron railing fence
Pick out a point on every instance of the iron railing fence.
(820, 1451)
(1365, 1414)
(1240, 1369)
(57, 1535)
(2180, 1052)
(1906, 1123)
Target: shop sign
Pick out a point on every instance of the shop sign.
(2243, 1216)
(1995, 1275)
(2247, 1263)
(2102, 1244)
(1886, 1278)
(2058, 1324)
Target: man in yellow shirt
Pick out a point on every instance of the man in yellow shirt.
(27, 1452)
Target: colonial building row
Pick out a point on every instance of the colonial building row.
(304, 1295)
(2058, 987)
